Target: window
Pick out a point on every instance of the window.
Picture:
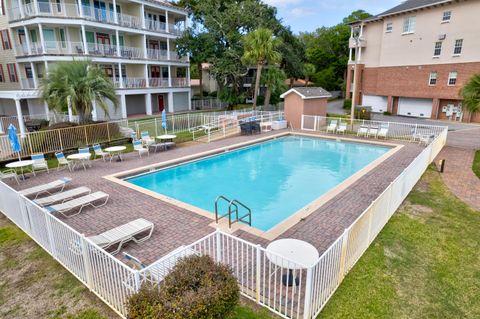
(12, 72)
(452, 78)
(438, 49)
(433, 78)
(5, 40)
(28, 72)
(446, 16)
(409, 25)
(2, 75)
(389, 27)
(458, 47)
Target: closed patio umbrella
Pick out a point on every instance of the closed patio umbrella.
(164, 120)
(14, 142)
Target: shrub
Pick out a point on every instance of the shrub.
(362, 113)
(387, 113)
(196, 288)
(347, 104)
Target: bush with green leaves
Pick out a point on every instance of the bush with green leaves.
(196, 288)
(347, 104)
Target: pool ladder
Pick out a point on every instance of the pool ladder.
(233, 206)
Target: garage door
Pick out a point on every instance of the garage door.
(415, 107)
(377, 103)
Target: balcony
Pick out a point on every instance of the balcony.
(27, 84)
(161, 55)
(180, 82)
(158, 82)
(131, 52)
(52, 9)
(175, 57)
(362, 43)
(133, 83)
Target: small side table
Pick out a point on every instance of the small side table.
(20, 165)
(116, 150)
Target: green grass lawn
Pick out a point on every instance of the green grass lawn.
(476, 164)
(424, 264)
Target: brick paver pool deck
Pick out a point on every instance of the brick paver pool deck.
(175, 226)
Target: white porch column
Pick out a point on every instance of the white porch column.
(21, 9)
(123, 106)
(70, 111)
(27, 39)
(148, 104)
(34, 75)
(36, 9)
(167, 27)
(21, 123)
(188, 76)
(84, 40)
(168, 49)
(120, 75)
(169, 76)
(190, 99)
(80, 8)
(115, 13)
(46, 67)
(145, 71)
(46, 110)
(170, 102)
(145, 52)
(142, 15)
(42, 40)
(118, 44)
(94, 110)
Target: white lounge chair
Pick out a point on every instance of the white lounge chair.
(63, 196)
(363, 130)
(39, 163)
(138, 146)
(342, 128)
(332, 126)
(146, 139)
(372, 131)
(9, 174)
(46, 188)
(63, 162)
(99, 152)
(383, 132)
(79, 203)
(123, 234)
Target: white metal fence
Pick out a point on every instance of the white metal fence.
(208, 104)
(259, 272)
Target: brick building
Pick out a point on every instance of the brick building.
(414, 58)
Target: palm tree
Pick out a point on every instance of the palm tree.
(260, 49)
(274, 79)
(308, 71)
(79, 83)
(471, 94)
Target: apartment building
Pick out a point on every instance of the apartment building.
(132, 40)
(414, 58)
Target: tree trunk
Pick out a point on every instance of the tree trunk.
(200, 77)
(291, 82)
(268, 95)
(307, 79)
(257, 85)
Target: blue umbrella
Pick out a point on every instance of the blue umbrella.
(164, 120)
(14, 143)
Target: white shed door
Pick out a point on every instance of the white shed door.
(415, 107)
(377, 103)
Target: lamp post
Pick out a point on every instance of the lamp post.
(356, 38)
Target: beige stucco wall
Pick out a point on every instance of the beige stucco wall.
(393, 49)
(8, 56)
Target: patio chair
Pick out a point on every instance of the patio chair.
(46, 188)
(342, 128)
(133, 136)
(39, 163)
(372, 131)
(383, 132)
(120, 235)
(86, 150)
(63, 162)
(146, 139)
(363, 130)
(9, 174)
(79, 203)
(99, 152)
(138, 146)
(62, 196)
(332, 126)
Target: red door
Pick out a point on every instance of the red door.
(161, 106)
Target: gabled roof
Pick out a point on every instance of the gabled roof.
(308, 93)
(411, 5)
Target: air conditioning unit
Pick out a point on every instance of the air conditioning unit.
(442, 37)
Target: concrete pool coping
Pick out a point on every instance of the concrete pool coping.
(284, 225)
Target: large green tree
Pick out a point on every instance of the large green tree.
(274, 80)
(308, 71)
(261, 48)
(471, 94)
(80, 83)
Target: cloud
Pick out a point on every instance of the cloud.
(301, 12)
(281, 3)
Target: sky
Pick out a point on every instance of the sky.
(308, 15)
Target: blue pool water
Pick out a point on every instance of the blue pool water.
(275, 178)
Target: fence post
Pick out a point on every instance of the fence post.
(156, 126)
(218, 240)
(303, 116)
(343, 257)
(29, 137)
(108, 132)
(370, 219)
(60, 139)
(86, 136)
(137, 280)
(308, 294)
(315, 120)
(51, 238)
(257, 293)
(138, 129)
(173, 123)
(86, 263)
(188, 120)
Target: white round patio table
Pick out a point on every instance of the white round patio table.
(79, 158)
(301, 253)
(116, 150)
(20, 165)
(169, 137)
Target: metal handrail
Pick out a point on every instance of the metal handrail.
(249, 214)
(232, 203)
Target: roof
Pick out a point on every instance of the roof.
(308, 93)
(195, 82)
(298, 82)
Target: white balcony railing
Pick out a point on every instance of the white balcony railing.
(63, 47)
(175, 57)
(27, 83)
(176, 29)
(155, 25)
(129, 21)
(99, 49)
(155, 54)
(179, 82)
(131, 53)
(158, 82)
(134, 83)
(97, 14)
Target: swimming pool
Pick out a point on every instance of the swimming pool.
(275, 178)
